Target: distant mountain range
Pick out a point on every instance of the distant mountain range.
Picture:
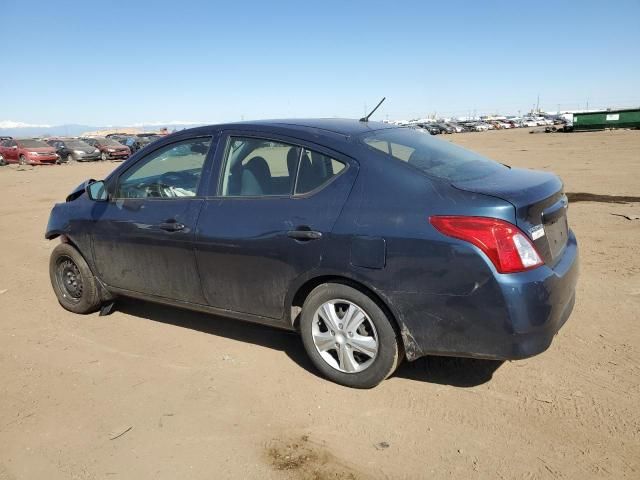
(17, 130)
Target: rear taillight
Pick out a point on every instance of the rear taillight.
(506, 245)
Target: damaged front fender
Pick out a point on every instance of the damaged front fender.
(59, 222)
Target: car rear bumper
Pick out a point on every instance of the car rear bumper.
(510, 316)
(86, 157)
(117, 156)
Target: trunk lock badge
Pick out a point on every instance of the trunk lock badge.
(536, 232)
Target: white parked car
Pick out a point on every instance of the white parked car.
(456, 127)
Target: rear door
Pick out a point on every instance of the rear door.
(143, 240)
(268, 219)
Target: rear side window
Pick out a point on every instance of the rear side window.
(260, 167)
(315, 170)
(432, 156)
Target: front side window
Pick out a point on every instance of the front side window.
(171, 172)
(432, 156)
(260, 167)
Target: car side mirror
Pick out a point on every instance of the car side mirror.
(97, 191)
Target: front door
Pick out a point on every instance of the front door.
(143, 238)
(269, 221)
(10, 152)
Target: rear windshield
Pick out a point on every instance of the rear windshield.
(107, 142)
(32, 144)
(437, 158)
(76, 144)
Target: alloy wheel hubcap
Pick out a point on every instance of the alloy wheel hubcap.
(344, 336)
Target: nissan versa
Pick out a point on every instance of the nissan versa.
(374, 242)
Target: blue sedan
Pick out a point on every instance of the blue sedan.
(376, 243)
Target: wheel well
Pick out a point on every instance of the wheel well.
(304, 291)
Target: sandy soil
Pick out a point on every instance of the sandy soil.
(155, 392)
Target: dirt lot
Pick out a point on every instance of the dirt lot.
(155, 392)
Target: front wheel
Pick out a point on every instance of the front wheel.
(348, 336)
(2, 161)
(72, 280)
(104, 156)
(23, 160)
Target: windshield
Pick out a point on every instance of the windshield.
(107, 142)
(437, 158)
(33, 144)
(148, 139)
(76, 144)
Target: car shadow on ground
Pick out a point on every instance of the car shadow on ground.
(457, 372)
(287, 342)
(454, 371)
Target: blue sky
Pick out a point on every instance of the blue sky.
(126, 62)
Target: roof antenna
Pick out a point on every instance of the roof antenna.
(366, 119)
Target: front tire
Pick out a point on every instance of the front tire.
(104, 157)
(23, 160)
(72, 280)
(348, 336)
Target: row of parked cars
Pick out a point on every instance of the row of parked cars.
(36, 151)
(442, 127)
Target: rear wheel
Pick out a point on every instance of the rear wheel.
(348, 336)
(72, 280)
(2, 161)
(69, 158)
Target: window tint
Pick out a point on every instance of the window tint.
(173, 171)
(316, 170)
(435, 157)
(259, 167)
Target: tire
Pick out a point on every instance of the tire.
(370, 327)
(69, 158)
(3, 162)
(72, 280)
(104, 157)
(23, 160)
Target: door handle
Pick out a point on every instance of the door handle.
(304, 234)
(171, 226)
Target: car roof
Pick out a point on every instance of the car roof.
(341, 126)
(338, 126)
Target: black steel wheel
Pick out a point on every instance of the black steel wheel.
(72, 280)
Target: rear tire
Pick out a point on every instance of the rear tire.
(2, 161)
(358, 346)
(72, 280)
(69, 158)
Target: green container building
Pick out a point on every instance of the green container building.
(627, 118)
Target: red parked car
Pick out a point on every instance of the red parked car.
(109, 148)
(28, 151)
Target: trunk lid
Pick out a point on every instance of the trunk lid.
(539, 201)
